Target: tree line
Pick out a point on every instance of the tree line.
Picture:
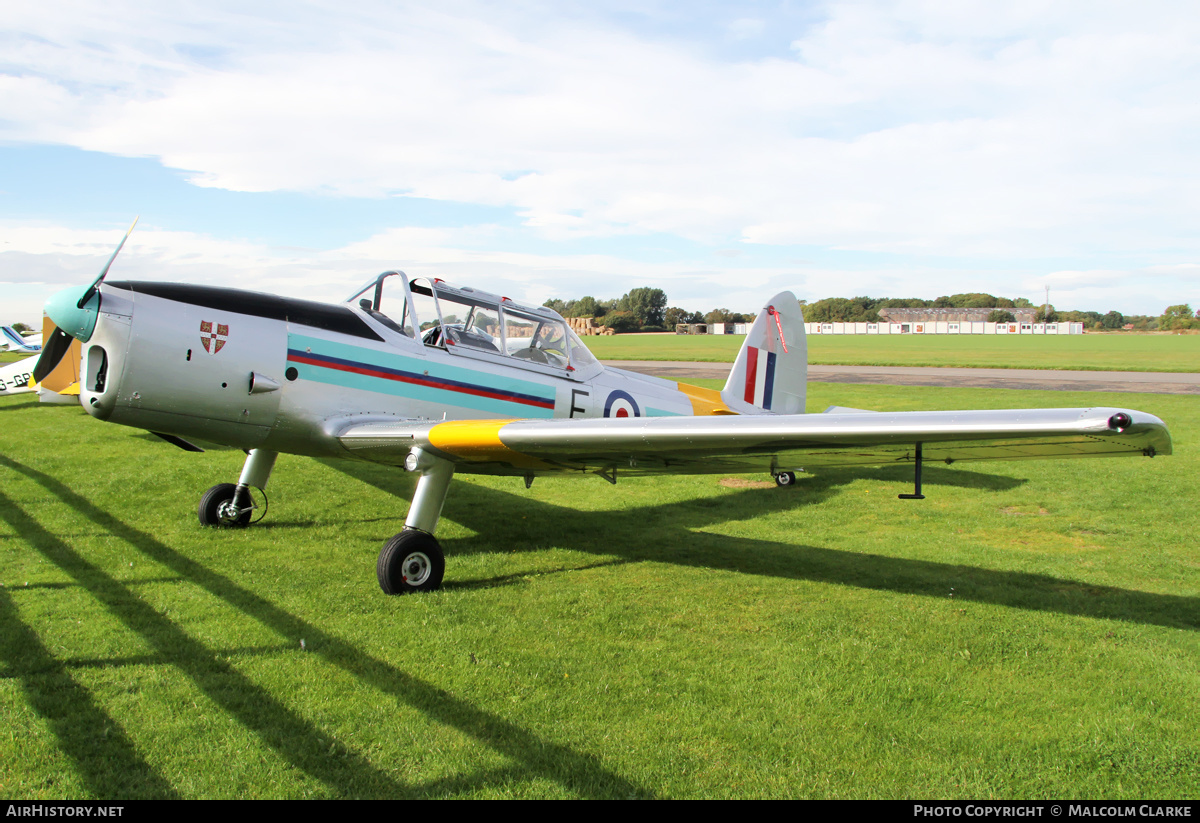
(641, 309)
(866, 310)
(646, 309)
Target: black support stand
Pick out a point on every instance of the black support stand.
(916, 495)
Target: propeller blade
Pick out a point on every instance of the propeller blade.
(75, 310)
(54, 349)
(90, 290)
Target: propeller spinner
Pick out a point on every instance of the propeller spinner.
(73, 311)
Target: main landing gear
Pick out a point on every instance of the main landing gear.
(785, 479)
(413, 560)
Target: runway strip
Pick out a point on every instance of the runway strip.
(1040, 379)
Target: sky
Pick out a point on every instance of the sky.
(721, 151)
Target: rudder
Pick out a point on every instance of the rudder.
(771, 371)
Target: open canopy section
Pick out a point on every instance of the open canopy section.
(477, 324)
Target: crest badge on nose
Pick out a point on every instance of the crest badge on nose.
(213, 341)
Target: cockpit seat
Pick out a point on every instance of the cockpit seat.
(365, 305)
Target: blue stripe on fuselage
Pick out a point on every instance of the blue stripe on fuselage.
(339, 364)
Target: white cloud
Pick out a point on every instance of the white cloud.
(943, 129)
(957, 128)
(37, 261)
(747, 28)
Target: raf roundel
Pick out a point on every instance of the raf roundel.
(213, 336)
(621, 404)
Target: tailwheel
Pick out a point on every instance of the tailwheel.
(412, 561)
(220, 507)
(785, 479)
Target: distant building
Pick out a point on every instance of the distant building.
(711, 328)
(946, 321)
(943, 327)
(951, 315)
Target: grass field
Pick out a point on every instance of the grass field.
(1091, 352)
(1030, 630)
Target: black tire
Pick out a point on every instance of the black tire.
(785, 479)
(215, 505)
(412, 561)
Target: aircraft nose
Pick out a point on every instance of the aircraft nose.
(70, 321)
(74, 311)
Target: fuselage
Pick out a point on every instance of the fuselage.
(258, 371)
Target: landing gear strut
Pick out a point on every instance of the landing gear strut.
(413, 560)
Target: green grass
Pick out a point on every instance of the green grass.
(1029, 630)
(1089, 352)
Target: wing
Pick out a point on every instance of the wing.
(17, 377)
(695, 445)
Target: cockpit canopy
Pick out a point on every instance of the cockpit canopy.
(476, 324)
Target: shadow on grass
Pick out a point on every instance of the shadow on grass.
(676, 539)
(307, 747)
(27, 404)
(107, 761)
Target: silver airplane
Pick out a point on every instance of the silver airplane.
(437, 379)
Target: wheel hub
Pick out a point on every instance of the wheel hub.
(228, 512)
(416, 568)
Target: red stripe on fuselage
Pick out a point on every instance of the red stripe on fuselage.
(477, 391)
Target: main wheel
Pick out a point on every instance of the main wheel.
(217, 508)
(785, 479)
(412, 561)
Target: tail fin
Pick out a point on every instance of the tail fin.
(16, 342)
(771, 371)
